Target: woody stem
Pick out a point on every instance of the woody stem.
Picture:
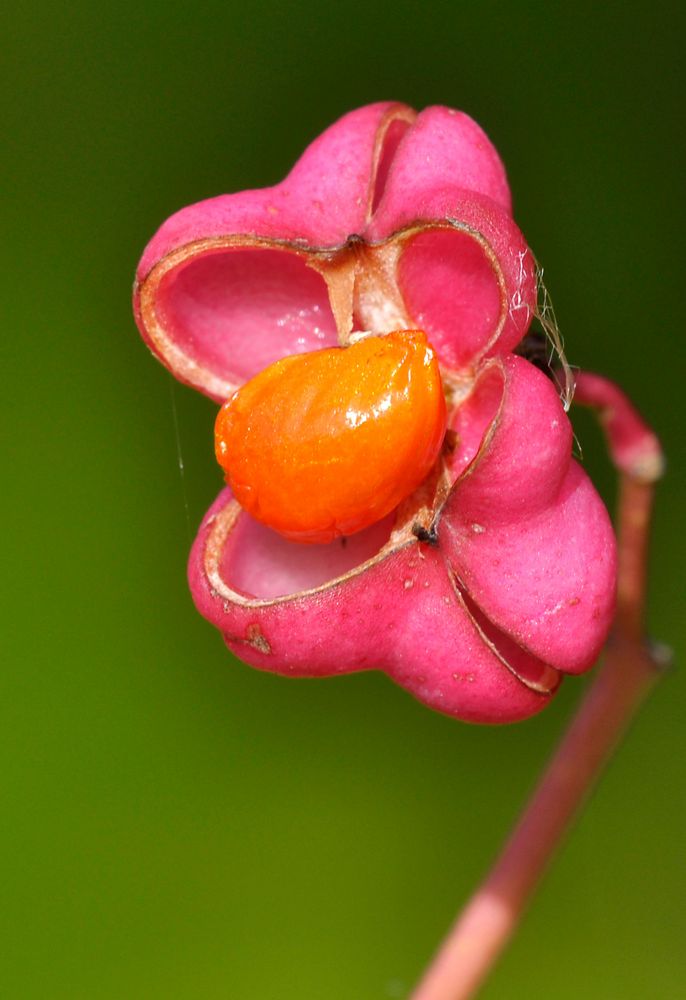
(630, 669)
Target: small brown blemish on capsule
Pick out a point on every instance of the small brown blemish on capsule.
(255, 638)
(450, 441)
(428, 535)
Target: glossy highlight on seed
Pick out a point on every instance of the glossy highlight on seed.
(322, 445)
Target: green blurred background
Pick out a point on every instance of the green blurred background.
(180, 826)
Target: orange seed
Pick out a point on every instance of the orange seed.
(324, 444)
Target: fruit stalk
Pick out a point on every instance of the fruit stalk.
(631, 668)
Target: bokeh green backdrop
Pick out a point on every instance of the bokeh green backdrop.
(177, 825)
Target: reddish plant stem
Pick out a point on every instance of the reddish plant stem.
(492, 914)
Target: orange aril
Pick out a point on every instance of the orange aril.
(324, 444)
